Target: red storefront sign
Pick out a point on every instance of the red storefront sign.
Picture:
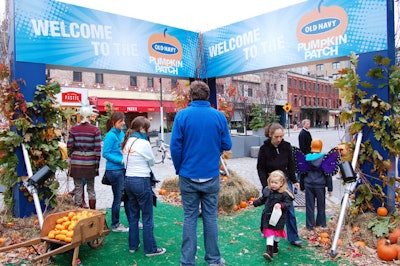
(71, 97)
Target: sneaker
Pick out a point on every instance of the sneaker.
(221, 263)
(140, 225)
(120, 229)
(159, 251)
(134, 250)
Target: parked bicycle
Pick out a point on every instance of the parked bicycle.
(161, 151)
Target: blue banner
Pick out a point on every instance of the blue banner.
(56, 33)
(51, 32)
(306, 32)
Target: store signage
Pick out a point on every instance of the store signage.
(71, 97)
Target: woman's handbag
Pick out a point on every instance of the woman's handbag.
(105, 180)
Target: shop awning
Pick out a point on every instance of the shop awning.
(141, 106)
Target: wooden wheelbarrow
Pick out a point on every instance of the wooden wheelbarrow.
(91, 230)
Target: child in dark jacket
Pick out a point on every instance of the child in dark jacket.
(275, 196)
(315, 182)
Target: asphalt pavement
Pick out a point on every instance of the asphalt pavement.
(244, 167)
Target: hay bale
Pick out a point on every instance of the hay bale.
(233, 190)
(171, 184)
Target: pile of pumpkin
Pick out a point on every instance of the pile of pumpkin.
(64, 228)
(388, 249)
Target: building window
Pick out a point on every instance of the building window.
(274, 86)
(133, 81)
(335, 76)
(173, 83)
(336, 65)
(150, 82)
(320, 67)
(250, 92)
(99, 78)
(295, 84)
(295, 100)
(300, 84)
(77, 76)
(305, 85)
(289, 82)
(281, 87)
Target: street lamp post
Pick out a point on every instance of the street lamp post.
(161, 112)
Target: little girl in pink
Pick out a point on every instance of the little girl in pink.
(275, 196)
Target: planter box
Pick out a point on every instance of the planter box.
(241, 145)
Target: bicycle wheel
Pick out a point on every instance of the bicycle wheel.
(158, 154)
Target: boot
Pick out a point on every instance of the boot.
(268, 254)
(275, 250)
(92, 204)
(83, 205)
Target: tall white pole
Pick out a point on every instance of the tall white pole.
(161, 112)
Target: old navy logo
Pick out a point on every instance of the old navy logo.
(320, 26)
(164, 48)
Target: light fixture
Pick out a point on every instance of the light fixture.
(98, 85)
(150, 118)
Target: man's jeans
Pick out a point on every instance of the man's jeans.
(195, 193)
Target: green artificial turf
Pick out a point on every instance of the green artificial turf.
(240, 243)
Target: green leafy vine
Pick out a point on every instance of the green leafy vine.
(35, 125)
(370, 112)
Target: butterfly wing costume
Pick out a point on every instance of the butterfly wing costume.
(329, 165)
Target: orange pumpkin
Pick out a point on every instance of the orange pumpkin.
(355, 229)
(381, 241)
(164, 46)
(236, 207)
(382, 211)
(162, 191)
(313, 25)
(243, 204)
(360, 244)
(324, 235)
(387, 251)
(394, 236)
(324, 240)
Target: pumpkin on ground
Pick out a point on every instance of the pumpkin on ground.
(382, 211)
(394, 236)
(387, 251)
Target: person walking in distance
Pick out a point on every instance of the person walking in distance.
(305, 139)
(276, 154)
(199, 136)
(84, 150)
(115, 168)
(138, 158)
(276, 197)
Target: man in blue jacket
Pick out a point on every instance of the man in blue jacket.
(199, 135)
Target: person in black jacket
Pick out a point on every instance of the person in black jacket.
(276, 154)
(276, 196)
(305, 139)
